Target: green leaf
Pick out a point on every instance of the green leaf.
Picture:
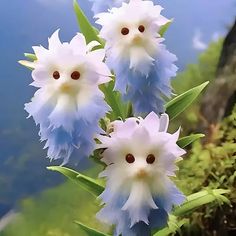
(90, 231)
(193, 202)
(113, 98)
(85, 26)
(31, 56)
(174, 224)
(96, 156)
(181, 102)
(129, 109)
(199, 199)
(165, 27)
(185, 141)
(91, 185)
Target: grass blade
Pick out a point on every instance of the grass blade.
(91, 185)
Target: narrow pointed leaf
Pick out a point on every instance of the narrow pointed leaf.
(90, 231)
(113, 98)
(185, 141)
(91, 185)
(165, 27)
(27, 64)
(85, 26)
(199, 199)
(183, 101)
(172, 228)
(31, 56)
(193, 202)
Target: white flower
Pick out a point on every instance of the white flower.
(70, 69)
(68, 99)
(140, 156)
(131, 32)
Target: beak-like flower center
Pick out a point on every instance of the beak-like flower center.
(142, 174)
(66, 88)
(137, 40)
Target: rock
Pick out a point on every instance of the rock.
(220, 96)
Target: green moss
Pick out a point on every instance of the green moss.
(212, 165)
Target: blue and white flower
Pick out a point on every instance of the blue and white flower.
(142, 64)
(68, 104)
(141, 157)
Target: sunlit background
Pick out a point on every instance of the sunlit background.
(25, 23)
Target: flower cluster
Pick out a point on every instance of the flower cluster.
(135, 52)
(140, 156)
(68, 104)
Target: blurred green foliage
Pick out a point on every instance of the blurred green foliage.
(53, 213)
(203, 70)
(195, 74)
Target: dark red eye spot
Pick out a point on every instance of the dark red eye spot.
(75, 75)
(130, 158)
(150, 159)
(56, 75)
(125, 31)
(141, 28)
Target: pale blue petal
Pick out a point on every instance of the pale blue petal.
(146, 92)
(61, 143)
(158, 218)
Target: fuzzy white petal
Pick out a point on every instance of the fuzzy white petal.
(68, 104)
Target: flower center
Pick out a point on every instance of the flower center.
(66, 88)
(142, 174)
